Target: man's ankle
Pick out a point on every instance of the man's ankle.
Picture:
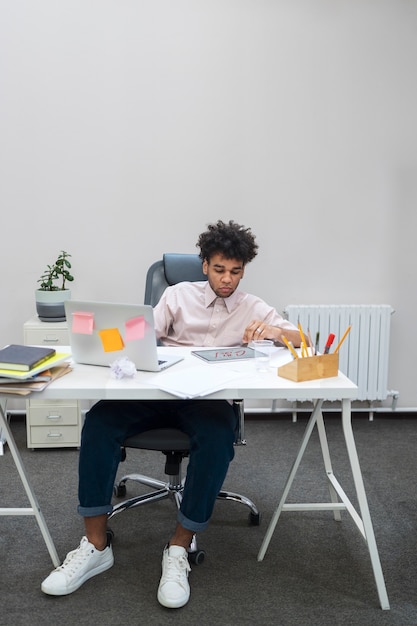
(182, 537)
(99, 543)
(96, 531)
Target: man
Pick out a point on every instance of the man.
(212, 313)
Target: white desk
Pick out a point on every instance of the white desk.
(95, 383)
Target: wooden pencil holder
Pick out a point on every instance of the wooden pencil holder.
(310, 368)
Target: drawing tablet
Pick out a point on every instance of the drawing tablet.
(217, 355)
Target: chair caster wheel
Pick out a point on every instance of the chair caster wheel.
(196, 557)
(119, 490)
(254, 519)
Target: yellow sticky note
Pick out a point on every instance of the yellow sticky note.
(111, 339)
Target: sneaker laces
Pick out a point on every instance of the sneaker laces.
(76, 558)
(176, 568)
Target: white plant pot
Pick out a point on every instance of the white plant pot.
(50, 304)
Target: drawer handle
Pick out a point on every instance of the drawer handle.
(54, 417)
(54, 435)
(50, 340)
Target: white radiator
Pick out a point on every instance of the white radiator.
(364, 355)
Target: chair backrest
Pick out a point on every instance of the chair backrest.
(173, 268)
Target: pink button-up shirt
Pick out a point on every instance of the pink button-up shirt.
(190, 314)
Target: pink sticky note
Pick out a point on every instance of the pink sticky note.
(135, 328)
(83, 322)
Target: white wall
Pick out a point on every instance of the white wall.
(127, 125)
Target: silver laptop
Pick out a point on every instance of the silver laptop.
(101, 332)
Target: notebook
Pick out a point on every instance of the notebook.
(101, 332)
(23, 358)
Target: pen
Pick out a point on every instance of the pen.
(310, 342)
(316, 347)
(343, 338)
(329, 342)
(289, 346)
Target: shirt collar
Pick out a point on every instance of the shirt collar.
(230, 302)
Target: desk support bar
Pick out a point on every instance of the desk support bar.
(34, 509)
(362, 521)
(363, 504)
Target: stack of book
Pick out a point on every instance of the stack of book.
(24, 369)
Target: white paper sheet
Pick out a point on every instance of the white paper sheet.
(194, 382)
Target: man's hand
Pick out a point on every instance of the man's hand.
(257, 329)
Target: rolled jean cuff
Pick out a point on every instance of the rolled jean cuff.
(196, 527)
(94, 511)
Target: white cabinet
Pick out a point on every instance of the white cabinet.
(50, 423)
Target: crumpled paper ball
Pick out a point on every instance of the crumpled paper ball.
(122, 368)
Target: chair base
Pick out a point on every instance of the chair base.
(173, 488)
(161, 489)
(254, 514)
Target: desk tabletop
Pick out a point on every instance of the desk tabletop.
(238, 380)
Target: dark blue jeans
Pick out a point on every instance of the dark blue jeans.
(210, 425)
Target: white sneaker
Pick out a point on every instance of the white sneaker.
(79, 565)
(174, 590)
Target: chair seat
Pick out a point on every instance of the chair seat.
(160, 439)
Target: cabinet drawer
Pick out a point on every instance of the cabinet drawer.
(42, 336)
(54, 415)
(53, 404)
(44, 436)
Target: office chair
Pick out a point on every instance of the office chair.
(173, 443)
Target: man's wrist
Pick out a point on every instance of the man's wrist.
(278, 340)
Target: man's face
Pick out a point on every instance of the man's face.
(224, 275)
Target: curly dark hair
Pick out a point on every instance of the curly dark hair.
(231, 240)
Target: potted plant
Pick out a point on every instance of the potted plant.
(52, 291)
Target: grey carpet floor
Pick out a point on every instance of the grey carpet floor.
(315, 572)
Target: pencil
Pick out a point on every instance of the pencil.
(289, 346)
(303, 339)
(343, 338)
